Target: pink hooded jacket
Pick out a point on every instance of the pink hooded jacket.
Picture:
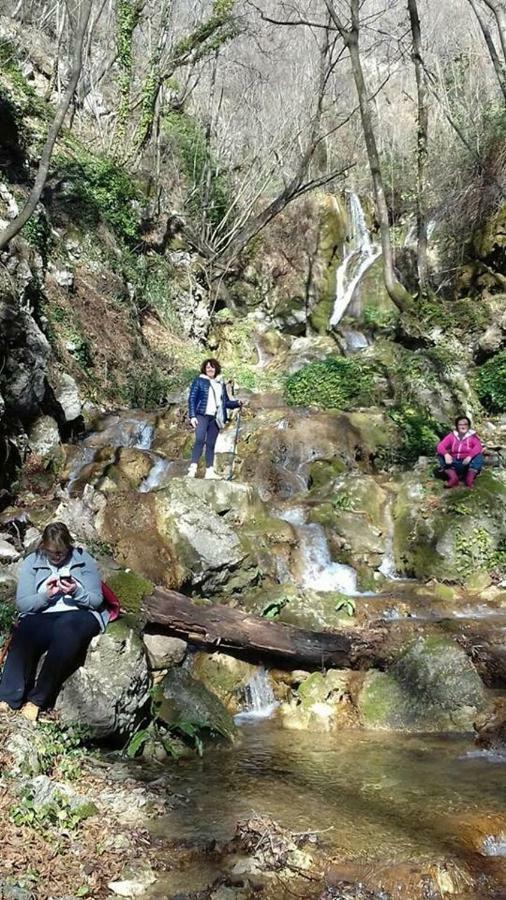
(469, 445)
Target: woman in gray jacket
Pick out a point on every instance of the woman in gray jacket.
(59, 599)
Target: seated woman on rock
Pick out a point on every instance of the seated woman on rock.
(460, 454)
(207, 407)
(59, 599)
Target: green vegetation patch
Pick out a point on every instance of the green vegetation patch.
(131, 589)
(334, 383)
(102, 190)
(491, 383)
(419, 432)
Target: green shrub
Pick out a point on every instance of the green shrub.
(491, 383)
(334, 383)
(419, 434)
(147, 390)
(102, 190)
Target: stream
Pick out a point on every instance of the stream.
(376, 799)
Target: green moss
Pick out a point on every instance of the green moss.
(419, 432)
(323, 472)
(380, 701)
(131, 589)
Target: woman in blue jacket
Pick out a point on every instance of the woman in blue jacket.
(207, 407)
(59, 599)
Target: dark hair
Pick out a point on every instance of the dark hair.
(461, 419)
(213, 362)
(56, 536)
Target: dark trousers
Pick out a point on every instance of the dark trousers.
(65, 636)
(206, 433)
(476, 464)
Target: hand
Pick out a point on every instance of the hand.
(448, 459)
(68, 585)
(52, 589)
(466, 461)
(194, 421)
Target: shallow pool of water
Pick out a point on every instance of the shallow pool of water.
(369, 795)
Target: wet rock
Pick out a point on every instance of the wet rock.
(183, 697)
(134, 886)
(433, 686)
(224, 676)
(108, 691)
(130, 469)
(490, 728)
(164, 651)
(322, 702)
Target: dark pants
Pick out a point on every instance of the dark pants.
(65, 636)
(476, 464)
(206, 433)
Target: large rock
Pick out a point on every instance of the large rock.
(107, 693)
(224, 676)
(183, 698)
(164, 651)
(66, 393)
(320, 703)
(44, 436)
(451, 536)
(433, 686)
(209, 535)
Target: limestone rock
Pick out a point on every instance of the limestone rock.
(66, 392)
(44, 436)
(224, 675)
(164, 651)
(108, 691)
(8, 553)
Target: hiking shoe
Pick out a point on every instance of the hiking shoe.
(30, 711)
(210, 473)
(192, 471)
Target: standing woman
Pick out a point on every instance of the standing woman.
(59, 599)
(207, 407)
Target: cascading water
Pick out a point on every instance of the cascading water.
(319, 573)
(360, 253)
(260, 701)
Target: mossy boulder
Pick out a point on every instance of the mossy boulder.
(433, 686)
(224, 676)
(130, 469)
(450, 536)
(130, 588)
(320, 703)
(180, 697)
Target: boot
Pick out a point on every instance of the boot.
(192, 471)
(210, 473)
(470, 476)
(452, 479)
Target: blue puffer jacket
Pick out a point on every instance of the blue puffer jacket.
(82, 567)
(199, 392)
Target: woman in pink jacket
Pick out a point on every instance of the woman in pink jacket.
(460, 454)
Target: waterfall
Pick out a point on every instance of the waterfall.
(319, 573)
(359, 255)
(260, 701)
(156, 474)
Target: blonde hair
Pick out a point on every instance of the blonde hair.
(56, 536)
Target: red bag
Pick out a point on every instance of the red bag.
(111, 602)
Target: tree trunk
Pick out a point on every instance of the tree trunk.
(421, 147)
(396, 291)
(33, 198)
(499, 66)
(221, 627)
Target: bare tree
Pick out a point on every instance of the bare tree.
(350, 33)
(498, 57)
(422, 143)
(80, 15)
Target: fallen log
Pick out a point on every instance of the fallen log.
(235, 631)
